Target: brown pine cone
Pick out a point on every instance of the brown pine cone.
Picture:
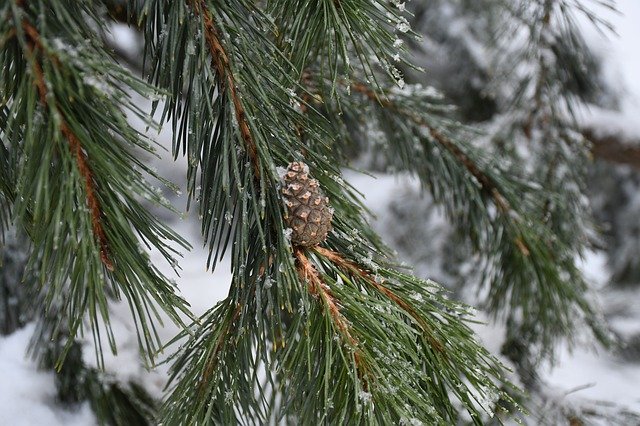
(308, 212)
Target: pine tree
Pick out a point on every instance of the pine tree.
(267, 101)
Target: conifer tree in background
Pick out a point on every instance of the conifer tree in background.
(267, 101)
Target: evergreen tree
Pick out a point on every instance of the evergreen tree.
(267, 101)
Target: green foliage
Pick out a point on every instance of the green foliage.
(75, 172)
(321, 372)
(528, 266)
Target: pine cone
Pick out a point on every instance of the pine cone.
(308, 212)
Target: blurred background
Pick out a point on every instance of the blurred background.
(462, 59)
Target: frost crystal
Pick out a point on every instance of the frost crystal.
(403, 25)
(410, 422)
(282, 171)
(365, 397)
(417, 297)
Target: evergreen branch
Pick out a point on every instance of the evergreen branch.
(74, 144)
(488, 184)
(352, 267)
(322, 344)
(549, 68)
(320, 290)
(223, 67)
(75, 180)
(76, 382)
(330, 33)
(522, 260)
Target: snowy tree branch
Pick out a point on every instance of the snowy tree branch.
(33, 44)
(613, 148)
(223, 68)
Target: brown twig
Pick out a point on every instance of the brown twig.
(319, 289)
(222, 66)
(353, 268)
(34, 44)
(486, 182)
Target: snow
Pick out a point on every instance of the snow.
(599, 377)
(621, 69)
(27, 395)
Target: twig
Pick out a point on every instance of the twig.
(34, 43)
(212, 359)
(486, 182)
(319, 289)
(349, 266)
(223, 68)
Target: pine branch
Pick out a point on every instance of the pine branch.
(317, 333)
(223, 68)
(320, 290)
(526, 266)
(487, 183)
(549, 69)
(351, 267)
(33, 40)
(74, 180)
(338, 31)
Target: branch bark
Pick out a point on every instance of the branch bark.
(33, 45)
(613, 149)
(320, 290)
(222, 66)
(353, 268)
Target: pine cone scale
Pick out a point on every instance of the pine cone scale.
(308, 212)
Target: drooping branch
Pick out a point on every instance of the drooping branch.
(222, 66)
(34, 45)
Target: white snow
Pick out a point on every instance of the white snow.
(621, 69)
(28, 396)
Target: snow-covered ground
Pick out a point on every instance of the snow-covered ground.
(27, 396)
